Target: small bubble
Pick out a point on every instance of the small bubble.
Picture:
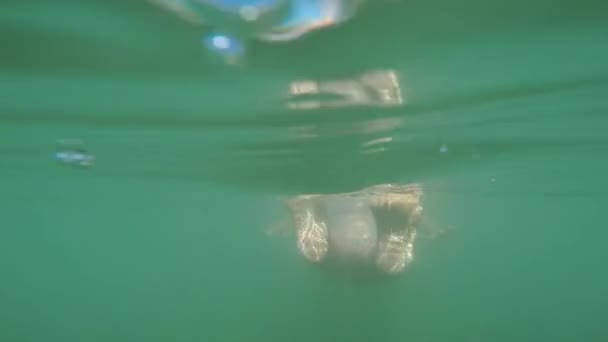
(443, 148)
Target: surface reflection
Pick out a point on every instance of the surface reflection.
(371, 136)
(375, 88)
(371, 89)
(366, 127)
(269, 20)
(234, 22)
(309, 15)
(375, 226)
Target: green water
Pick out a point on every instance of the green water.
(163, 239)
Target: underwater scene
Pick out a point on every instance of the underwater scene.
(303, 170)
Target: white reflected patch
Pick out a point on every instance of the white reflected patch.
(376, 145)
(371, 89)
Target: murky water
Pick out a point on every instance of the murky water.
(139, 176)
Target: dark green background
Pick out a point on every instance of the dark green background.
(163, 239)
